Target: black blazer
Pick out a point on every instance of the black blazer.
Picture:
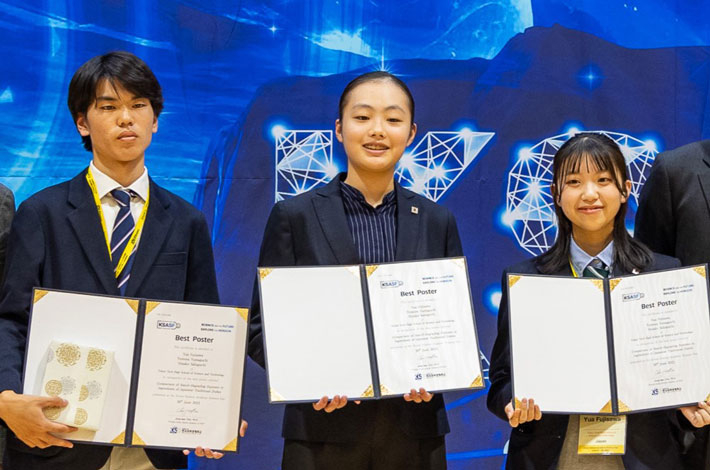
(674, 219)
(536, 445)
(57, 242)
(312, 229)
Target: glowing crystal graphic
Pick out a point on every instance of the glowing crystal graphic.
(304, 160)
(438, 159)
(530, 212)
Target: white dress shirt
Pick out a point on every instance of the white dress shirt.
(105, 184)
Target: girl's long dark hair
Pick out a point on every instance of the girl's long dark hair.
(601, 154)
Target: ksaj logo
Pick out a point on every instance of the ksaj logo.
(632, 296)
(391, 283)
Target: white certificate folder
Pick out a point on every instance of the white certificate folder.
(175, 374)
(368, 331)
(610, 346)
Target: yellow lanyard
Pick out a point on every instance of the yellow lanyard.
(136, 231)
(574, 271)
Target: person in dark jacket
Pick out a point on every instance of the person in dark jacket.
(362, 216)
(590, 191)
(674, 219)
(67, 237)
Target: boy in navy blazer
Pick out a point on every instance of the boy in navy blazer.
(61, 238)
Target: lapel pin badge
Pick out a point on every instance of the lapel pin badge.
(415, 210)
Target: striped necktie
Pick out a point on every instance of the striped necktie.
(122, 230)
(596, 268)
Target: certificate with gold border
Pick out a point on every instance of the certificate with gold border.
(176, 369)
(424, 328)
(368, 331)
(615, 346)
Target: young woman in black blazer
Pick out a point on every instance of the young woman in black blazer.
(590, 189)
(362, 216)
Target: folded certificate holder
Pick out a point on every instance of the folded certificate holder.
(368, 331)
(610, 346)
(175, 376)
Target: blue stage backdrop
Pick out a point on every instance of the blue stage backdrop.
(251, 94)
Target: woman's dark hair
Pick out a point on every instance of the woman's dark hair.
(116, 67)
(600, 153)
(373, 77)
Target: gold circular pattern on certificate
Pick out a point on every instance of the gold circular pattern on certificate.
(68, 354)
(52, 412)
(83, 393)
(96, 359)
(81, 416)
(53, 388)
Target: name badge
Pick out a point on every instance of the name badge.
(602, 435)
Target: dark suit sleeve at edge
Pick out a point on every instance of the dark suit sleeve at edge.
(655, 222)
(7, 212)
(24, 263)
(276, 250)
(500, 392)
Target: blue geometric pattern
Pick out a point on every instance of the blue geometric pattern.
(304, 160)
(438, 159)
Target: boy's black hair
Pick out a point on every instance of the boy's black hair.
(119, 67)
(372, 77)
(599, 153)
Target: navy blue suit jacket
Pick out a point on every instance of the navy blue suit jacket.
(536, 445)
(673, 218)
(312, 229)
(57, 242)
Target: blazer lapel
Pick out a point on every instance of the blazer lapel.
(328, 205)
(86, 224)
(157, 225)
(408, 216)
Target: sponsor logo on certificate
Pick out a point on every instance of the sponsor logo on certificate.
(390, 284)
(632, 296)
(168, 325)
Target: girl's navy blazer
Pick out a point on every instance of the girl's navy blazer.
(651, 438)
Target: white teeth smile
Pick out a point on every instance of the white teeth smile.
(376, 147)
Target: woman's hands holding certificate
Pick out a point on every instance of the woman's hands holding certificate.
(418, 396)
(336, 403)
(339, 401)
(526, 411)
(698, 415)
